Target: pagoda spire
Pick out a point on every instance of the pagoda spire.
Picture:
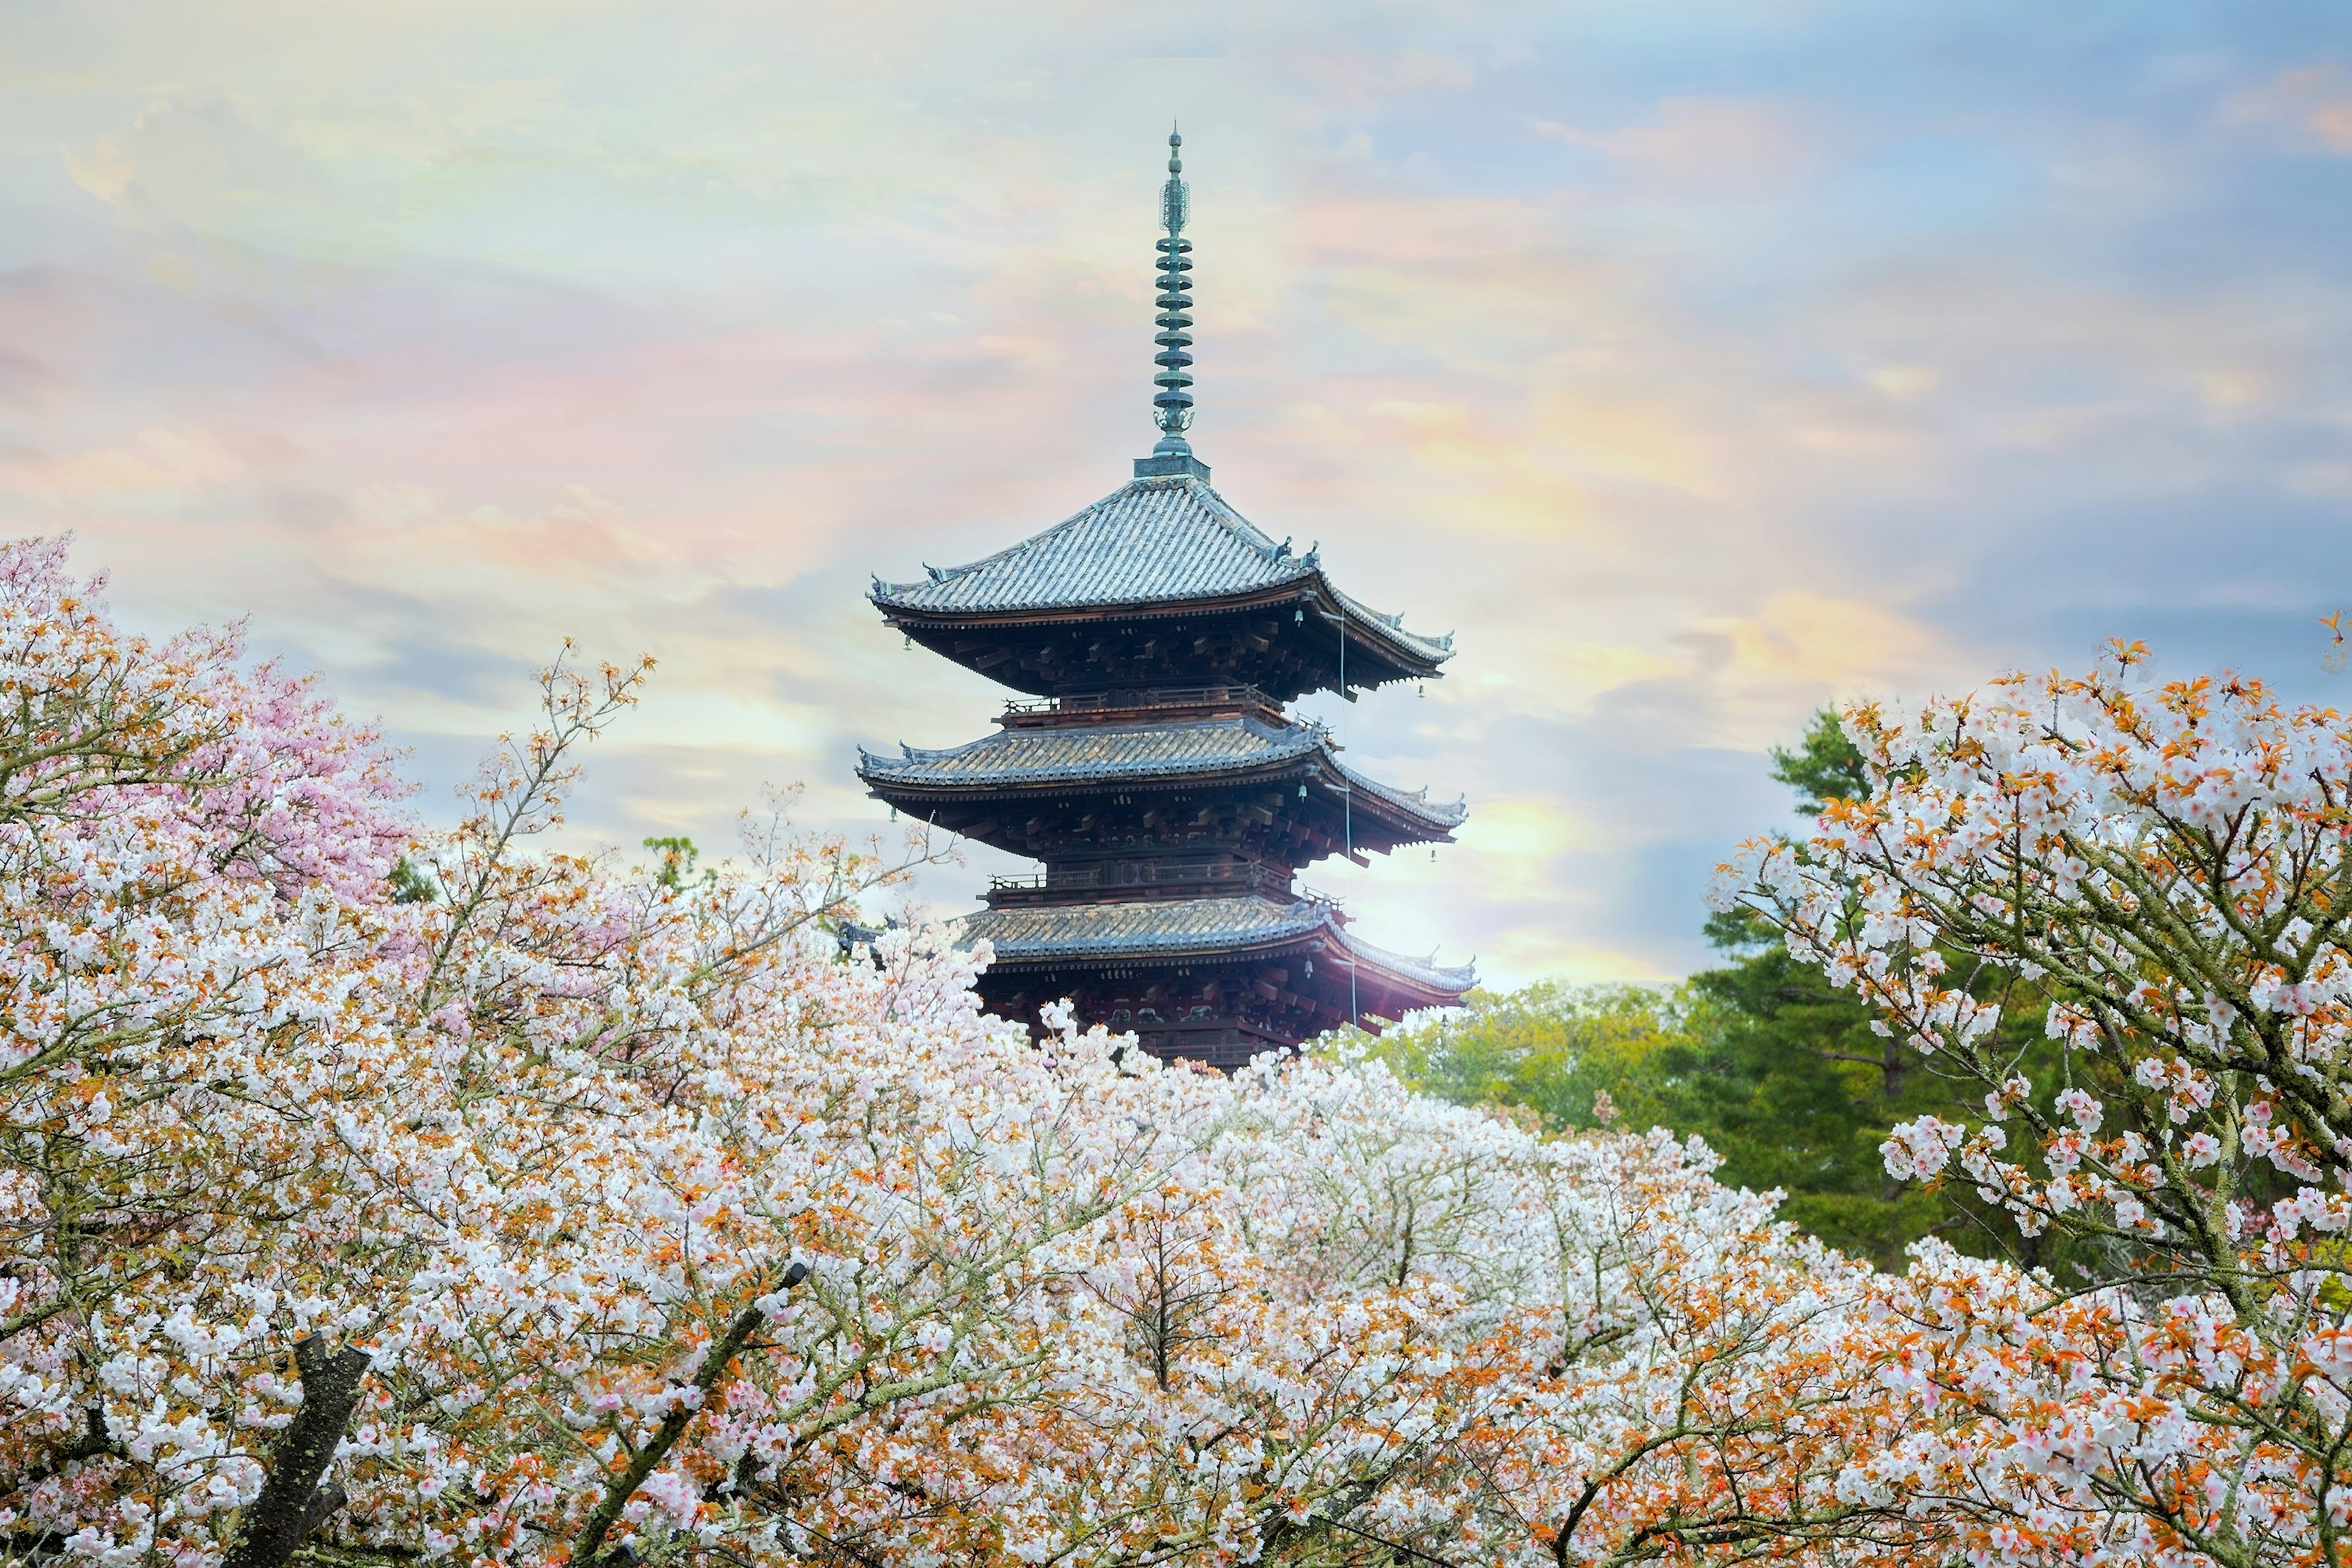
(1156, 773)
(1171, 406)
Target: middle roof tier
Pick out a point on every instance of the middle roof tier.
(1244, 784)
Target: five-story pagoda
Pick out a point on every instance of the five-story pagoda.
(1155, 770)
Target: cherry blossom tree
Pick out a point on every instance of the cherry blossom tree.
(382, 1196)
(1413, 1332)
(2161, 872)
(550, 1211)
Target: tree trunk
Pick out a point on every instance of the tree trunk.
(292, 1504)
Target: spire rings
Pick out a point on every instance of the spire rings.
(1171, 406)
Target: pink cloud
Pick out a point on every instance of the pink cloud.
(1706, 146)
(664, 334)
(2314, 100)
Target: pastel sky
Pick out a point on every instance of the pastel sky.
(1696, 363)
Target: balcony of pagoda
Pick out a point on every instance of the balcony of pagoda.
(1147, 705)
(1105, 881)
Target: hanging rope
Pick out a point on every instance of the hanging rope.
(1346, 805)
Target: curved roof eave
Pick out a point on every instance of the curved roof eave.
(1432, 651)
(1452, 979)
(1415, 802)
(1370, 624)
(1249, 744)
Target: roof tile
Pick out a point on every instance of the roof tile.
(1155, 541)
(1133, 753)
(1041, 933)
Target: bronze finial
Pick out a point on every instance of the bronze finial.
(1171, 406)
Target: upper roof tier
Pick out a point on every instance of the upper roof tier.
(1160, 583)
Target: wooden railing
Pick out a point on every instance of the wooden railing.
(1234, 695)
(1246, 875)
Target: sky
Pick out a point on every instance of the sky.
(1695, 364)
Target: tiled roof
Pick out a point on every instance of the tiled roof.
(1039, 933)
(1143, 751)
(1028, 933)
(1157, 541)
(1457, 978)
(1445, 814)
(1013, 758)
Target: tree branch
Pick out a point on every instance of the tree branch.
(292, 1504)
(645, 1460)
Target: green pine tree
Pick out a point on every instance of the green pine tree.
(1795, 1088)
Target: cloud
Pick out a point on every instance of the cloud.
(194, 161)
(1715, 147)
(1804, 647)
(1511, 847)
(2316, 100)
(2323, 479)
(156, 468)
(1759, 376)
(1355, 74)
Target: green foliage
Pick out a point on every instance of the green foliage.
(410, 885)
(1779, 1073)
(1779, 1070)
(1825, 766)
(1796, 1091)
(679, 855)
(1551, 1047)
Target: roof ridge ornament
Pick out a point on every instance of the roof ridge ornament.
(1171, 406)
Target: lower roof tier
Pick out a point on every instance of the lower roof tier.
(1073, 938)
(1015, 788)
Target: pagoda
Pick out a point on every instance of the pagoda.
(1153, 766)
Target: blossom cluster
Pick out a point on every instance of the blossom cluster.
(382, 1195)
(2162, 875)
(393, 1195)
